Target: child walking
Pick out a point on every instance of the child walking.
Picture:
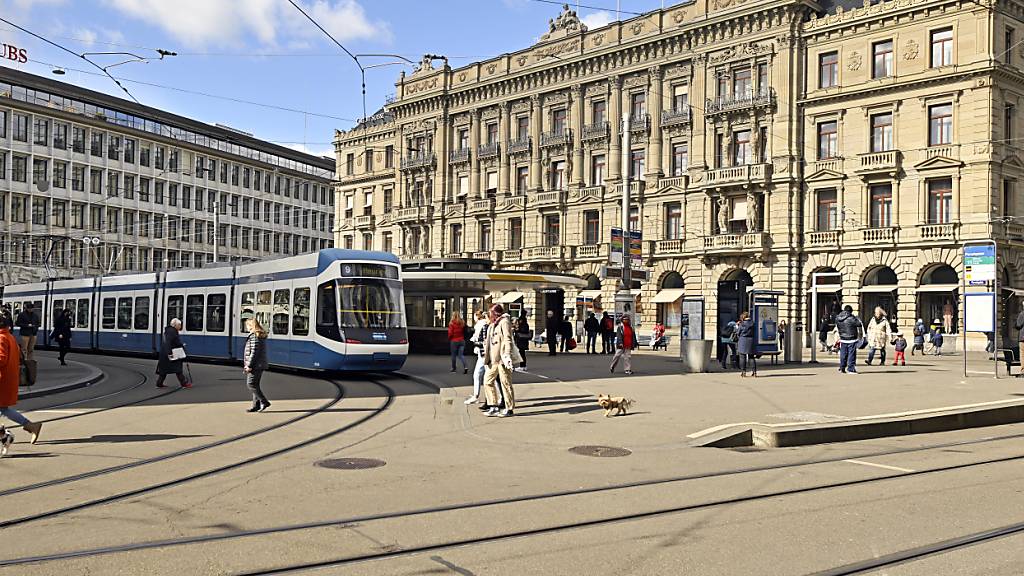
(900, 344)
(937, 341)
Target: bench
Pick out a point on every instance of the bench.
(1011, 356)
(645, 342)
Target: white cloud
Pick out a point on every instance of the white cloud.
(315, 151)
(198, 23)
(597, 19)
(85, 36)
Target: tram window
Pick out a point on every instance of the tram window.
(440, 313)
(416, 311)
(58, 309)
(281, 298)
(142, 313)
(248, 309)
(109, 313)
(194, 313)
(70, 306)
(83, 313)
(38, 306)
(327, 311)
(124, 313)
(372, 304)
(215, 307)
(17, 309)
(300, 318)
(263, 300)
(175, 308)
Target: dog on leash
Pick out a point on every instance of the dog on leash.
(6, 439)
(618, 404)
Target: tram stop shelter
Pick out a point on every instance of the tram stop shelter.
(437, 288)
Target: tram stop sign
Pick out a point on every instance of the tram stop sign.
(979, 264)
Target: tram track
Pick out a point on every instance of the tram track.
(57, 512)
(554, 495)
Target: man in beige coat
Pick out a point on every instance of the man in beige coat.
(500, 355)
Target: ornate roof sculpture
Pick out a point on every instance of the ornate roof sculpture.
(567, 23)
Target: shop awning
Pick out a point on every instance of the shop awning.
(938, 287)
(588, 294)
(668, 295)
(825, 288)
(509, 297)
(878, 288)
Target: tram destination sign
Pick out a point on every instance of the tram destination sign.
(979, 264)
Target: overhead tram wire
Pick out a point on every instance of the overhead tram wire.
(578, 5)
(76, 54)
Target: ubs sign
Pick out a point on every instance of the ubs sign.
(13, 53)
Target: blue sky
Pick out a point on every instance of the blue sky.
(265, 51)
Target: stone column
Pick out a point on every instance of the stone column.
(576, 98)
(504, 131)
(474, 147)
(654, 158)
(614, 118)
(536, 121)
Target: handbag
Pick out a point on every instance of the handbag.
(572, 344)
(178, 354)
(862, 343)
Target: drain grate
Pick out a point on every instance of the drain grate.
(350, 463)
(600, 451)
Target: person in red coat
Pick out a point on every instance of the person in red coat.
(10, 378)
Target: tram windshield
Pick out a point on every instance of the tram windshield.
(370, 303)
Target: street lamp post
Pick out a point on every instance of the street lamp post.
(624, 296)
(216, 229)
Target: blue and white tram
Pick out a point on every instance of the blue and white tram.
(337, 310)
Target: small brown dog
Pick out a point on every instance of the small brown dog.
(618, 404)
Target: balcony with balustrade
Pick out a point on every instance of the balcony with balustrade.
(675, 117)
(550, 198)
(483, 255)
(518, 145)
(888, 235)
(511, 256)
(824, 239)
(745, 174)
(635, 188)
(737, 243)
(365, 221)
(460, 156)
(680, 182)
(595, 131)
(826, 165)
(590, 253)
(414, 161)
(669, 247)
(587, 194)
(887, 162)
(944, 232)
(555, 138)
(639, 123)
(483, 206)
(951, 151)
(542, 254)
(742, 102)
(413, 214)
(488, 150)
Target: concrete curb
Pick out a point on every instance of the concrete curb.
(94, 376)
(806, 434)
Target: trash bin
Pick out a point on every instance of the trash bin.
(695, 355)
(793, 345)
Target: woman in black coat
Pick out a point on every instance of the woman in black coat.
(254, 362)
(62, 333)
(165, 365)
(745, 344)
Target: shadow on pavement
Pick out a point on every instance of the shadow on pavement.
(116, 438)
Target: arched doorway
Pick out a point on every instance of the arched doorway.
(938, 297)
(732, 299)
(829, 288)
(669, 300)
(879, 290)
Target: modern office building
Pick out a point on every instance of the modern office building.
(768, 140)
(92, 184)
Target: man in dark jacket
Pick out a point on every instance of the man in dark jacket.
(168, 364)
(591, 327)
(62, 333)
(552, 326)
(850, 331)
(28, 329)
(565, 331)
(607, 334)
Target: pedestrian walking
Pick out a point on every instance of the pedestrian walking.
(28, 329)
(254, 362)
(920, 330)
(824, 329)
(607, 334)
(899, 343)
(500, 355)
(457, 341)
(62, 333)
(523, 335)
(477, 342)
(10, 378)
(936, 337)
(878, 335)
(565, 332)
(745, 330)
(592, 327)
(551, 327)
(172, 356)
(850, 330)
(625, 342)
(727, 345)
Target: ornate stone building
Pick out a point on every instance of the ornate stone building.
(767, 140)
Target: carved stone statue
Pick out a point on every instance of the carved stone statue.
(566, 23)
(752, 223)
(723, 215)
(426, 64)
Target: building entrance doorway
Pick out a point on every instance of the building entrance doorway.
(732, 300)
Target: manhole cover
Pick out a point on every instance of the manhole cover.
(600, 451)
(350, 463)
